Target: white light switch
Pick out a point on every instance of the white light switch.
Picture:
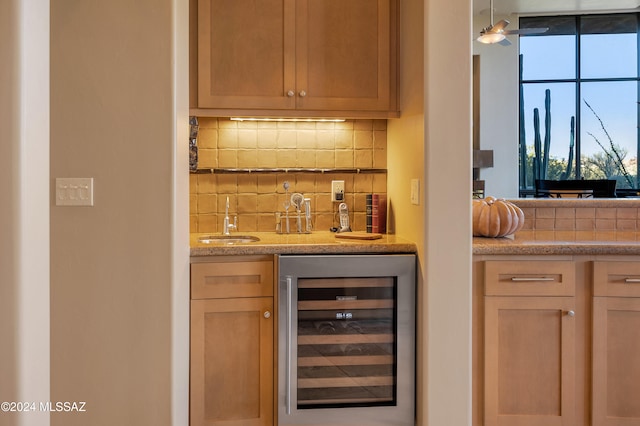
(74, 191)
(415, 192)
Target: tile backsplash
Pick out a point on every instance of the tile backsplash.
(255, 197)
(611, 220)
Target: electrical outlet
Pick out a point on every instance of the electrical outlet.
(337, 191)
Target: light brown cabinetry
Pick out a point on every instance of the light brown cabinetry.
(616, 344)
(296, 58)
(232, 342)
(529, 343)
(524, 335)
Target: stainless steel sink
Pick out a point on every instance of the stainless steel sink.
(228, 239)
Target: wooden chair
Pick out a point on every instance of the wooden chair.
(596, 188)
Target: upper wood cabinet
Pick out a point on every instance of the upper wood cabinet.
(316, 58)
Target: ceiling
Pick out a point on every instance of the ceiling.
(507, 7)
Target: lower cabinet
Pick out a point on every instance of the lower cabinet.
(556, 342)
(616, 344)
(529, 368)
(232, 342)
(529, 341)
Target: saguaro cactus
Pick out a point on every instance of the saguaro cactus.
(547, 131)
(567, 174)
(541, 159)
(523, 139)
(537, 146)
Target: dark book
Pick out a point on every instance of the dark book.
(368, 206)
(379, 213)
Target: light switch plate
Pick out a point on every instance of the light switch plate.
(74, 191)
(415, 192)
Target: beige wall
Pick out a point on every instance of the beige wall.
(119, 269)
(24, 215)
(432, 142)
(9, 216)
(405, 145)
(499, 110)
(448, 218)
(255, 197)
(119, 280)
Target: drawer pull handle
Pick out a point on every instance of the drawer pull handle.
(632, 280)
(526, 279)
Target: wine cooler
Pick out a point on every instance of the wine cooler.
(346, 340)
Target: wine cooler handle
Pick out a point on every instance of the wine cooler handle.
(288, 348)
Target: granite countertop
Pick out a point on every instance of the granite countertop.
(560, 242)
(319, 242)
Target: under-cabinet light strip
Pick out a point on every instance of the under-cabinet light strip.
(306, 120)
(286, 170)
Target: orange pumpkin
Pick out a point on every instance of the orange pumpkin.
(496, 217)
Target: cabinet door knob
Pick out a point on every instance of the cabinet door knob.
(290, 93)
(571, 313)
(267, 314)
(302, 93)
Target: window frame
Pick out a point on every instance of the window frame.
(577, 81)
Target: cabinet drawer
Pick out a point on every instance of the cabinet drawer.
(529, 278)
(232, 277)
(616, 279)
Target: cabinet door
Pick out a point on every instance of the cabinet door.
(246, 54)
(616, 361)
(529, 361)
(232, 362)
(343, 55)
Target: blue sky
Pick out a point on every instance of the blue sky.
(552, 57)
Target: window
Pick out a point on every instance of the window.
(579, 100)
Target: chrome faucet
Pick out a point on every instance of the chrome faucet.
(226, 226)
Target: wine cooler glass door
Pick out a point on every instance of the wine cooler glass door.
(347, 340)
(346, 346)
